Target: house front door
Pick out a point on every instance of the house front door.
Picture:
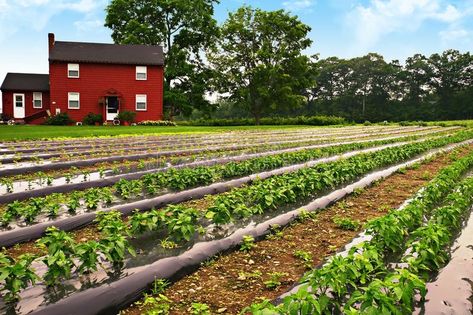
(18, 105)
(112, 109)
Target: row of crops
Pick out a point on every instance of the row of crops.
(413, 240)
(172, 180)
(143, 222)
(135, 151)
(18, 178)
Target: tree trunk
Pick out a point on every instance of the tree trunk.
(364, 105)
(171, 111)
(168, 104)
(256, 111)
(257, 119)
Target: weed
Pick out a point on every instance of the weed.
(159, 285)
(426, 176)
(167, 244)
(347, 223)
(305, 215)
(305, 257)
(244, 276)
(159, 305)
(275, 280)
(275, 232)
(248, 243)
(200, 309)
(358, 191)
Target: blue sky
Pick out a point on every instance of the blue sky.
(344, 28)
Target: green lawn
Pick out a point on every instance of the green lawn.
(9, 133)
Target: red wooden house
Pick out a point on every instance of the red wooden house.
(89, 78)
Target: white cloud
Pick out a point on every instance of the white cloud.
(3, 5)
(16, 15)
(88, 25)
(454, 34)
(84, 6)
(298, 5)
(381, 17)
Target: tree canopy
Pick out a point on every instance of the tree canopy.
(257, 61)
(185, 29)
(260, 62)
(427, 88)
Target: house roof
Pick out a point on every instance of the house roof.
(25, 82)
(107, 53)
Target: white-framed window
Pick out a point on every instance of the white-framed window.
(141, 73)
(141, 102)
(73, 70)
(19, 100)
(37, 100)
(73, 100)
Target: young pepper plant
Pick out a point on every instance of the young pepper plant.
(16, 275)
(61, 249)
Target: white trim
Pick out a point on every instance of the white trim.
(141, 98)
(111, 116)
(73, 67)
(19, 112)
(141, 70)
(38, 99)
(75, 97)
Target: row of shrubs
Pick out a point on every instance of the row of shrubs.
(459, 123)
(157, 123)
(90, 119)
(299, 120)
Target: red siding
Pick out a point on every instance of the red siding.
(94, 82)
(7, 100)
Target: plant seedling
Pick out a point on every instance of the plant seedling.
(114, 247)
(248, 243)
(8, 183)
(74, 202)
(101, 172)
(168, 244)
(358, 191)
(92, 198)
(305, 257)
(275, 279)
(68, 178)
(306, 215)
(347, 223)
(16, 275)
(61, 248)
(159, 285)
(88, 254)
(159, 305)
(200, 309)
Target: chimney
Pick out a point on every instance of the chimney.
(51, 41)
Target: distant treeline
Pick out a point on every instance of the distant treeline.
(275, 121)
(368, 88)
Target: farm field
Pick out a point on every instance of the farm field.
(262, 221)
(30, 132)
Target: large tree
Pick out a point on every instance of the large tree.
(185, 29)
(452, 74)
(260, 60)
